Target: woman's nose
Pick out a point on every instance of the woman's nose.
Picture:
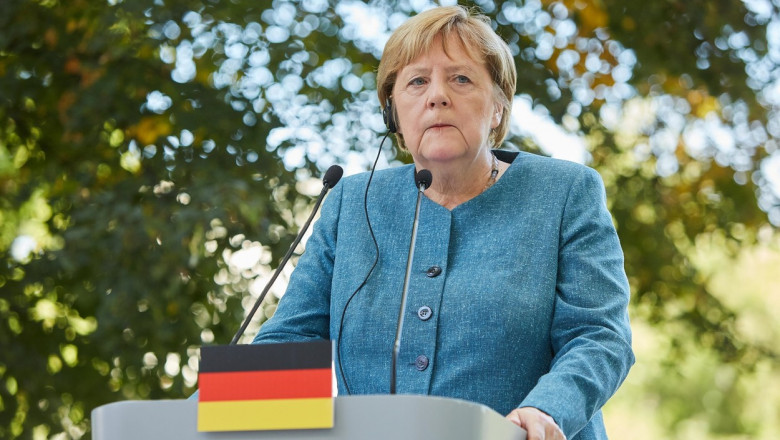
(438, 94)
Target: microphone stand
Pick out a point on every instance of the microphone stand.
(332, 177)
(423, 180)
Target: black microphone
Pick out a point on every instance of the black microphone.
(423, 180)
(332, 177)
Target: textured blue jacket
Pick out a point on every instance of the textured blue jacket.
(517, 297)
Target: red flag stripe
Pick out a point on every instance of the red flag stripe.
(260, 385)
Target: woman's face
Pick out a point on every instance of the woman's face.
(445, 104)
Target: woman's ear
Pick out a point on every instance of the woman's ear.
(497, 114)
(398, 129)
(388, 114)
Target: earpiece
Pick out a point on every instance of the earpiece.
(387, 115)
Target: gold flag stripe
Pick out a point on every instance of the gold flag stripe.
(252, 415)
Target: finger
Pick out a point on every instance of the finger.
(515, 418)
(553, 432)
(537, 432)
(538, 425)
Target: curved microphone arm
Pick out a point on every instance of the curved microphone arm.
(332, 177)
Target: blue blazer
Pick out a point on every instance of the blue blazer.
(517, 297)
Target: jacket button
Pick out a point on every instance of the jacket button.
(424, 313)
(433, 271)
(421, 363)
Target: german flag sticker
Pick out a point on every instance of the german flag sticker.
(266, 387)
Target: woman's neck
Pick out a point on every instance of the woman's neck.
(454, 185)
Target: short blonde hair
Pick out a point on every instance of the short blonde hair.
(415, 36)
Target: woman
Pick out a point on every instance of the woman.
(517, 298)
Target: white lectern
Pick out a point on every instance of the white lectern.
(372, 417)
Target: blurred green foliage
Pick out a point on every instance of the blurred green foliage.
(146, 145)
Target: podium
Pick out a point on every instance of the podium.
(372, 417)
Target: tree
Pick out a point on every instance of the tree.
(152, 157)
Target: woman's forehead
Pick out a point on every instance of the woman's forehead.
(453, 47)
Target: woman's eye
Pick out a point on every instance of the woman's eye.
(462, 79)
(417, 82)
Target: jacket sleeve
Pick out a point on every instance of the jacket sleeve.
(590, 333)
(303, 312)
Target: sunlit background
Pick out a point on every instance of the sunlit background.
(157, 157)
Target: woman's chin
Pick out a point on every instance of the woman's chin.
(442, 153)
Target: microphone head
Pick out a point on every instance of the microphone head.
(332, 176)
(423, 178)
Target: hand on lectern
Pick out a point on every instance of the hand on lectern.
(538, 424)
